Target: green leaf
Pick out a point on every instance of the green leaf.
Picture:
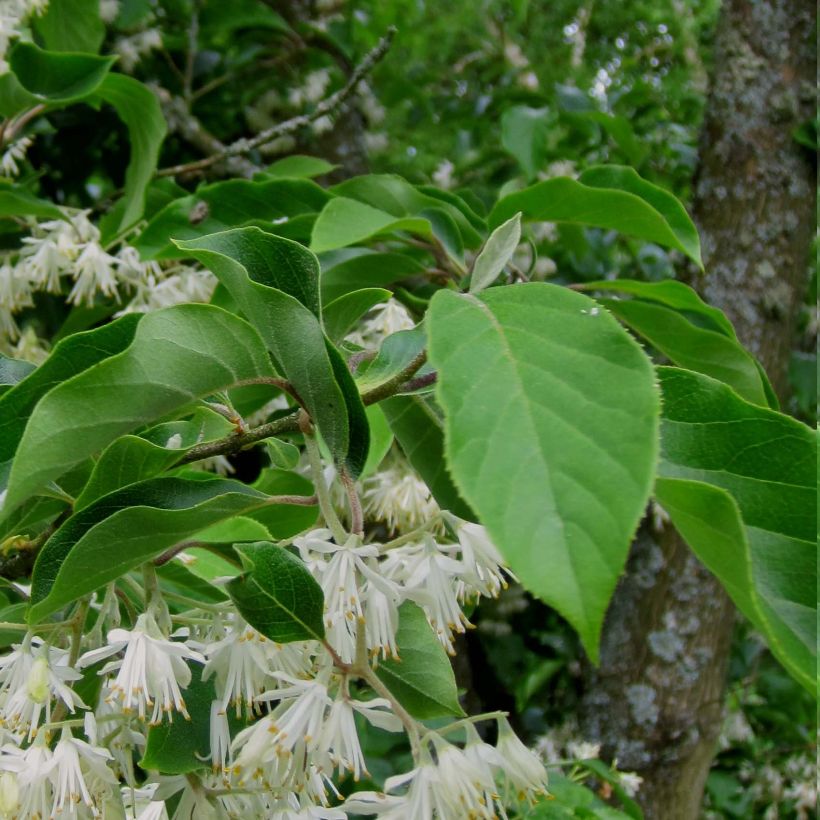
(282, 453)
(695, 348)
(223, 205)
(13, 97)
(71, 25)
(671, 293)
(524, 135)
(418, 427)
(621, 132)
(640, 209)
(341, 315)
(422, 678)
(365, 269)
(344, 222)
(13, 371)
(183, 746)
(178, 354)
(299, 166)
(139, 109)
(277, 595)
(70, 357)
(135, 458)
(739, 482)
(284, 520)
(126, 528)
(396, 196)
(496, 254)
(551, 435)
(621, 178)
(381, 439)
(57, 77)
(395, 354)
(275, 282)
(16, 201)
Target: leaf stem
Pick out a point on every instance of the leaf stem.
(317, 471)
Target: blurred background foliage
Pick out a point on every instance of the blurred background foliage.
(475, 96)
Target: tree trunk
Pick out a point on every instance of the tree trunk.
(656, 701)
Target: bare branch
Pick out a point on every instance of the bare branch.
(326, 106)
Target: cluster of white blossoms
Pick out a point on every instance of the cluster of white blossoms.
(67, 254)
(299, 702)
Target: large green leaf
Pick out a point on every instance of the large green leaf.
(139, 109)
(344, 222)
(277, 595)
(230, 204)
(57, 77)
(396, 196)
(135, 458)
(739, 482)
(178, 354)
(695, 348)
(70, 357)
(126, 528)
(71, 25)
(671, 293)
(611, 197)
(422, 677)
(365, 269)
(551, 435)
(275, 282)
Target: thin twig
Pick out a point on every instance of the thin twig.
(392, 386)
(193, 36)
(317, 473)
(290, 423)
(326, 106)
(356, 513)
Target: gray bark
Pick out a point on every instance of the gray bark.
(656, 701)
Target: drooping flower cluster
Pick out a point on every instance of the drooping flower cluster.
(67, 254)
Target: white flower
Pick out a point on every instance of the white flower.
(582, 750)
(399, 498)
(630, 782)
(482, 562)
(152, 671)
(340, 739)
(15, 153)
(431, 583)
(32, 767)
(9, 794)
(340, 577)
(522, 767)
(382, 598)
(384, 319)
(241, 664)
(443, 175)
(220, 737)
(93, 273)
(46, 674)
(67, 775)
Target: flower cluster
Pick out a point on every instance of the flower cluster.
(285, 718)
(64, 252)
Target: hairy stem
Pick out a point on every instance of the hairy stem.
(317, 471)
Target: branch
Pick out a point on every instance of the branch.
(326, 106)
(391, 386)
(290, 423)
